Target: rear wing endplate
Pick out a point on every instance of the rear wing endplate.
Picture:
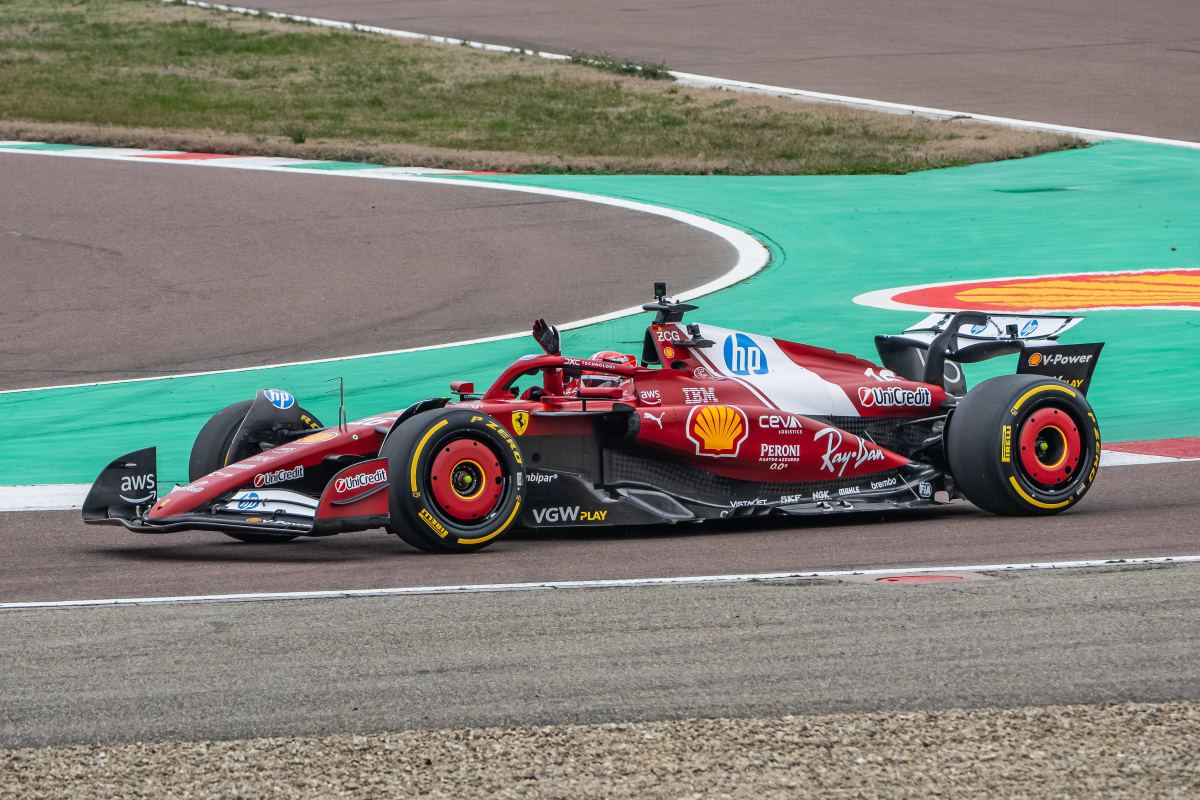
(933, 350)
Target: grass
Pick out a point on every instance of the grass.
(141, 73)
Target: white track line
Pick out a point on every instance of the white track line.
(752, 255)
(709, 82)
(603, 584)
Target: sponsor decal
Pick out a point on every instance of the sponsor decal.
(743, 356)
(254, 519)
(529, 357)
(824, 495)
(925, 490)
(240, 466)
(668, 352)
(693, 395)
(1161, 289)
(541, 477)
(891, 396)
(978, 329)
(433, 523)
(650, 397)
(196, 486)
(249, 501)
(744, 503)
(773, 452)
(789, 499)
(567, 514)
(1058, 358)
(307, 420)
(1029, 327)
(504, 434)
(783, 424)
(658, 419)
(260, 459)
(278, 476)
(1006, 443)
(222, 474)
(375, 421)
(883, 484)
(669, 336)
(703, 374)
(279, 398)
(323, 436)
(717, 431)
(352, 482)
(520, 421)
(836, 461)
(884, 375)
(847, 490)
(141, 485)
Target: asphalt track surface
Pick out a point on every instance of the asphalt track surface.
(123, 270)
(232, 670)
(1138, 511)
(1102, 64)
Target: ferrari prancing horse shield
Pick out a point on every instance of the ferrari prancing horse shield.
(520, 420)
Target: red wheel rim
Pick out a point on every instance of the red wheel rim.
(466, 479)
(1050, 446)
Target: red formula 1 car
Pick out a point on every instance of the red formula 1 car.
(709, 423)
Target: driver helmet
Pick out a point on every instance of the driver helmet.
(605, 379)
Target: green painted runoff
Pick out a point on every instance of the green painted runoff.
(1125, 205)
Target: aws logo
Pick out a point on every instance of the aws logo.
(743, 356)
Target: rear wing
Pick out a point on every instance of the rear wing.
(933, 350)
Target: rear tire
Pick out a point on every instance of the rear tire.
(456, 480)
(1023, 445)
(210, 452)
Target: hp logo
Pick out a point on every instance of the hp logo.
(743, 356)
(280, 399)
(249, 501)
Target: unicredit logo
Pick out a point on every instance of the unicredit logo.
(360, 481)
(278, 476)
(891, 396)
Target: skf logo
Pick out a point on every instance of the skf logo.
(743, 356)
(1006, 443)
(520, 421)
(1035, 359)
(433, 523)
(717, 431)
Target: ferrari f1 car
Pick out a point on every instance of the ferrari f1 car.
(708, 423)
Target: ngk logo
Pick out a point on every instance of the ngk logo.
(349, 484)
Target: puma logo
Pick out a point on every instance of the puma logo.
(658, 419)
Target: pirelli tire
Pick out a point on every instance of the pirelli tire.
(210, 452)
(457, 482)
(1023, 445)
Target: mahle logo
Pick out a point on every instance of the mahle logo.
(743, 356)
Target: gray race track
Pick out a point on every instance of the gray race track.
(236, 670)
(122, 270)
(1106, 64)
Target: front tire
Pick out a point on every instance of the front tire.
(210, 452)
(1023, 445)
(456, 480)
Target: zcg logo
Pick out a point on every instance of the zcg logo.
(743, 356)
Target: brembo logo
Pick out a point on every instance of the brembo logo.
(278, 476)
(359, 481)
(882, 396)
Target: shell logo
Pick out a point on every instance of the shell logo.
(717, 431)
(1035, 359)
(1153, 289)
